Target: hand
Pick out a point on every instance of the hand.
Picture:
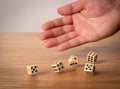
(83, 21)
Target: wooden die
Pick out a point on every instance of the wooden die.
(58, 66)
(92, 57)
(32, 69)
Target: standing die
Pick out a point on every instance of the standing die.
(32, 69)
(58, 66)
(90, 68)
(92, 57)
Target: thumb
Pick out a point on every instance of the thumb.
(71, 8)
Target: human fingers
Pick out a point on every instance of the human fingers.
(66, 20)
(77, 41)
(60, 39)
(71, 8)
(55, 32)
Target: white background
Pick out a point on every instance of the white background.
(27, 15)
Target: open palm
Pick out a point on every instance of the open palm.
(84, 21)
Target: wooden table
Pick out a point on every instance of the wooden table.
(17, 50)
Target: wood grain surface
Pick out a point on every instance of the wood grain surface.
(17, 50)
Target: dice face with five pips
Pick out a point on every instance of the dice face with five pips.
(92, 57)
(32, 69)
(89, 67)
(58, 66)
(73, 60)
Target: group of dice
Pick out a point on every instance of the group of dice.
(72, 61)
(91, 58)
(58, 66)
